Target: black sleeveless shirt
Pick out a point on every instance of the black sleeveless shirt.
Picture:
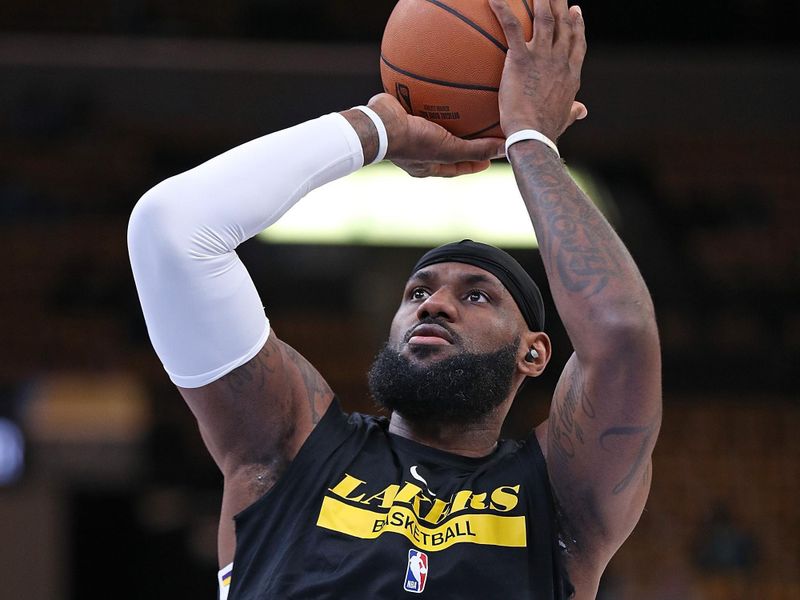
(365, 514)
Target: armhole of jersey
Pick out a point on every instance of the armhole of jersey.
(564, 588)
(224, 580)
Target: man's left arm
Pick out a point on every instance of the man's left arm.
(606, 410)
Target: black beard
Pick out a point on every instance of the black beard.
(461, 389)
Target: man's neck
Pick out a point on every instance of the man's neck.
(474, 440)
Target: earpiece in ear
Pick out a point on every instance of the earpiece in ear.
(532, 355)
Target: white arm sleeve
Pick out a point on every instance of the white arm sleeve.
(203, 313)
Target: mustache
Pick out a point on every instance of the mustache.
(432, 321)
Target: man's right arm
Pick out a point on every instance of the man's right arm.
(204, 316)
(255, 398)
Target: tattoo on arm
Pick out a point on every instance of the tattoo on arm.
(253, 375)
(577, 244)
(315, 386)
(565, 432)
(646, 432)
(249, 384)
(567, 436)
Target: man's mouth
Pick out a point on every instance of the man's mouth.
(429, 335)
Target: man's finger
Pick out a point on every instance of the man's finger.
(460, 168)
(578, 50)
(562, 34)
(559, 8)
(544, 26)
(456, 150)
(515, 38)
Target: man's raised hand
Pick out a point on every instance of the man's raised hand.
(423, 148)
(541, 78)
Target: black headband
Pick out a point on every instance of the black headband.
(500, 264)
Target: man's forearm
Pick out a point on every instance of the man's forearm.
(595, 283)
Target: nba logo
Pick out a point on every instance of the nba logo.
(417, 572)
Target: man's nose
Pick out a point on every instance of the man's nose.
(440, 304)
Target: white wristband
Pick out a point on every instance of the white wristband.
(383, 138)
(531, 134)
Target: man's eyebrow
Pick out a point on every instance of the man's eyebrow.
(422, 275)
(477, 278)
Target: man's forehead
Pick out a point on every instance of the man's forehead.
(455, 270)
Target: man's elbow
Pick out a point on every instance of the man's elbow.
(631, 331)
(158, 223)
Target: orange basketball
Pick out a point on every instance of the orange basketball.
(442, 59)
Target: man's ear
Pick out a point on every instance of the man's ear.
(534, 353)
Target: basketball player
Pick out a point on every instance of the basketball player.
(319, 504)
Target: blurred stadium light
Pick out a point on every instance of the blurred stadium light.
(382, 206)
(12, 452)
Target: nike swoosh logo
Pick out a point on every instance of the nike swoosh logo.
(418, 477)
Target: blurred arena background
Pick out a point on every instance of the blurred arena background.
(693, 133)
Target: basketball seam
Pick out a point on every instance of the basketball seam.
(528, 9)
(471, 23)
(480, 131)
(462, 86)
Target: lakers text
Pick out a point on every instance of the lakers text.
(431, 523)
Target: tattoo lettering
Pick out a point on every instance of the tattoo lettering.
(576, 243)
(581, 263)
(560, 439)
(252, 376)
(531, 85)
(316, 388)
(646, 432)
(565, 432)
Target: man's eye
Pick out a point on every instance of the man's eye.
(419, 293)
(477, 296)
